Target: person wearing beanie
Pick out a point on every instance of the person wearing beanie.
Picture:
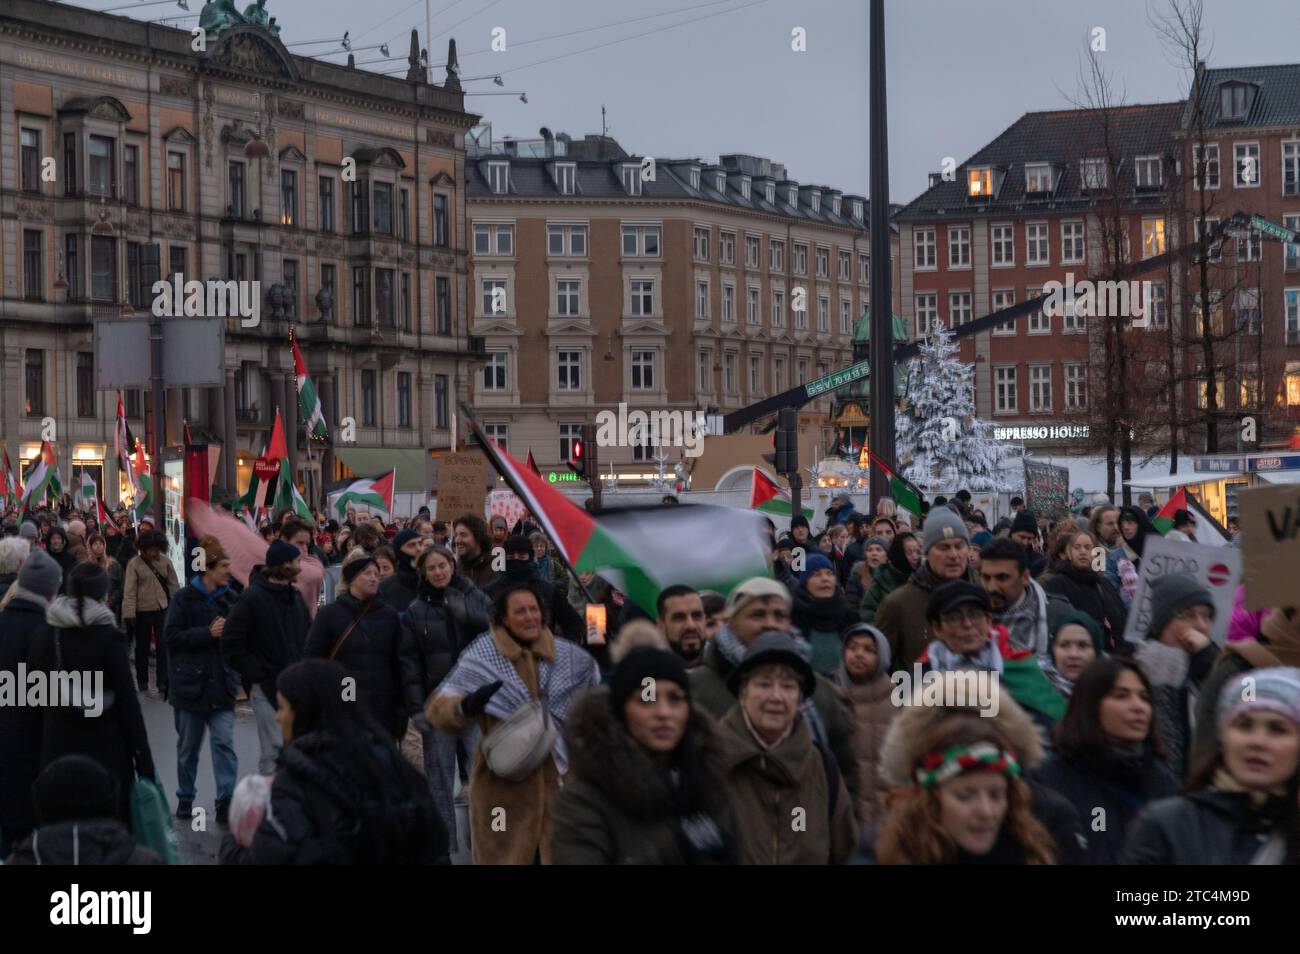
(75, 801)
(800, 531)
(1024, 530)
(1240, 807)
(361, 632)
(56, 545)
(202, 686)
(1178, 654)
(862, 680)
(901, 561)
(821, 612)
(29, 531)
(1074, 644)
(649, 780)
(148, 583)
(400, 589)
(873, 552)
(265, 633)
(105, 722)
(499, 529)
(562, 619)
(901, 616)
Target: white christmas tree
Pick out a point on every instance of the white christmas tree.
(942, 445)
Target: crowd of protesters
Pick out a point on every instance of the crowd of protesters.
(450, 672)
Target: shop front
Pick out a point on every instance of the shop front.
(1215, 480)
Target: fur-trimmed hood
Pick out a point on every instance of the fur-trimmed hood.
(899, 752)
(607, 758)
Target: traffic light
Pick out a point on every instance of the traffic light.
(787, 441)
(578, 455)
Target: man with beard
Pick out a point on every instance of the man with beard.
(562, 618)
(683, 622)
(474, 549)
(1104, 524)
(400, 589)
(1018, 602)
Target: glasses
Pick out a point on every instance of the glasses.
(964, 616)
(1200, 614)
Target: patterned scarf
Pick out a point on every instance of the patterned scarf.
(943, 659)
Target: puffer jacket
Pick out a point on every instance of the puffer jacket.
(1090, 592)
(621, 807)
(437, 626)
(372, 653)
(266, 631)
(200, 680)
(1210, 827)
(94, 841)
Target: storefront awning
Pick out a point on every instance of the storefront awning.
(1279, 476)
(1179, 479)
(411, 463)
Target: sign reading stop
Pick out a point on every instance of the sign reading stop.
(266, 469)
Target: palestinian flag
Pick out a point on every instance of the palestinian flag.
(286, 494)
(642, 551)
(88, 497)
(144, 486)
(766, 496)
(375, 493)
(123, 445)
(1164, 520)
(42, 478)
(904, 492)
(10, 488)
(309, 406)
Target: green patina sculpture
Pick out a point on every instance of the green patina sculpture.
(220, 15)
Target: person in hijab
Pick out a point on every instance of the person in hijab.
(1074, 643)
(862, 680)
(57, 547)
(562, 618)
(1124, 560)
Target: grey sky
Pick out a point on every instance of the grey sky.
(959, 71)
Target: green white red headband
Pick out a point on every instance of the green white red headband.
(938, 767)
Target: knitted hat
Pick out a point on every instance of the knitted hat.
(785, 543)
(942, 524)
(1276, 689)
(798, 520)
(1076, 618)
(280, 553)
(954, 594)
(498, 521)
(517, 544)
(756, 587)
(815, 562)
(981, 538)
(876, 542)
(354, 563)
(642, 663)
(882, 643)
(40, 573)
(1024, 522)
(89, 579)
(403, 537)
(74, 788)
(29, 530)
(1172, 594)
(773, 647)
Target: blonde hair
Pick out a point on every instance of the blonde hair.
(639, 632)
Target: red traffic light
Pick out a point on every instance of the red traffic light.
(577, 450)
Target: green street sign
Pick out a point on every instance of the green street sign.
(840, 378)
(1269, 228)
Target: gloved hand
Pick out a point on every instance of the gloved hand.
(474, 703)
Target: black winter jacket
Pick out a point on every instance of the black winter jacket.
(400, 589)
(438, 625)
(20, 726)
(266, 631)
(372, 652)
(1090, 592)
(94, 841)
(1209, 827)
(200, 680)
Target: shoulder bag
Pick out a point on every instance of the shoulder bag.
(523, 741)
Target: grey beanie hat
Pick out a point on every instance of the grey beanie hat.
(41, 574)
(29, 530)
(942, 524)
(1171, 595)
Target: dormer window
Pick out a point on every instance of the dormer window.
(771, 193)
(720, 182)
(1038, 178)
(499, 177)
(695, 177)
(1234, 100)
(979, 182)
(857, 209)
(744, 187)
(835, 205)
(632, 178)
(1148, 172)
(815, 200)
(566, 177)
(1093, 173)
(792, 196)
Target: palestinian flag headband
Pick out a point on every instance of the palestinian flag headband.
(938, 767)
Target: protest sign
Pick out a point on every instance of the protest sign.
(1217, 568)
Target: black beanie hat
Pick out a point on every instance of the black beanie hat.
(798, 520)
(89, 580)
(74, 787)
(517, 543)
(644, 662)
(1024, 522)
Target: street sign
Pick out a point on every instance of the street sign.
(1270, 228)
(840, 378)
(194, 353)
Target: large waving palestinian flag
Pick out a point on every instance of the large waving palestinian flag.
(309, 407)
(642, 551)
(42, 478)
(375, 493)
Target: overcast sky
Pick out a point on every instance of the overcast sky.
(960, 71)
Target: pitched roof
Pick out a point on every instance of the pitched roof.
(1277, 99)
(1060, 138)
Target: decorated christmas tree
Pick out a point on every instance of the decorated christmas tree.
(942, 445)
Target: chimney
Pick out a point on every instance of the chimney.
(549, 140)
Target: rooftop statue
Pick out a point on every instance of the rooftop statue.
(219, 15)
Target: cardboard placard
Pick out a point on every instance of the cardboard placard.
(1217, 568)
(1047, 489)
(462, 485)
(1270, 544)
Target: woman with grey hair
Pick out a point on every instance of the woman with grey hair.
(13, 552)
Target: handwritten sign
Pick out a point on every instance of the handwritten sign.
(1047, 489)
(1270, 544)
(1216, 568)
(462, 485)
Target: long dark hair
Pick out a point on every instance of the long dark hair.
(1079, 734)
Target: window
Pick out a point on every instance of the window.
(776, 255)
(505, 239)
(959, 246)
(642, 241)
(752, 252)
(643, 298)
(406, 301)
(924, 256)
(1232, 100)
(1040, 322)
(1036, 247)
(823, 263)
(1155, 306)
(1250, 390)
(726, 248)
(1250, 247)
(1038, 177)
(1210, 224)
(383, 220)
(403, 399)
(289, 197)
(442, 305)
(1092, 173)
(778, 375)
(1040, 387)
(176, 181)
(643, 370)
(85, 384)
(235, 184)
(801, 259)
(701, 301)
(823, 314)
(325, 203)
(695, 177)
(103, 268)
(499, 177)
(1248, 318)
(802, 369)
(72, 265)
(752, 315)
(1004, 244)
(566, 177)
(728, 302)
(441, 222)
(34, 375)
(1153, 237)
(33, 265)
(701, 243)
(729, 372)
(404, 214)
(494, 372)
(358, 206)
(569, 434)
(385, 300)
(31, 160)
(1291, 168)
(368, 398)
(1203, 391)
(178, 258)
(927, 313)
(704, 371)
(1291, 299)
(566, 240)
(99, 168)
(755, 376)
(1149, 172)
(1292, 250)
(328, 279)
(800, 314)
(360, 295)
(441, 402)
(1076, 387)
(494, 296)
(1072, 250)
(1206, 172)
(631, 178)
(1004, 298)
(864, 269)
(846, 266)
(570, 368)
(778, 308)
(131, 174)
(568, 297)
(1005, 390)
(846, 317)
(959, 308)
(69, 164)
(135, 290)
(131, 401)
(979, 182)
(769, 193)
(645, 451)
(498, 433)
(1216, 314)
(1245, 164)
